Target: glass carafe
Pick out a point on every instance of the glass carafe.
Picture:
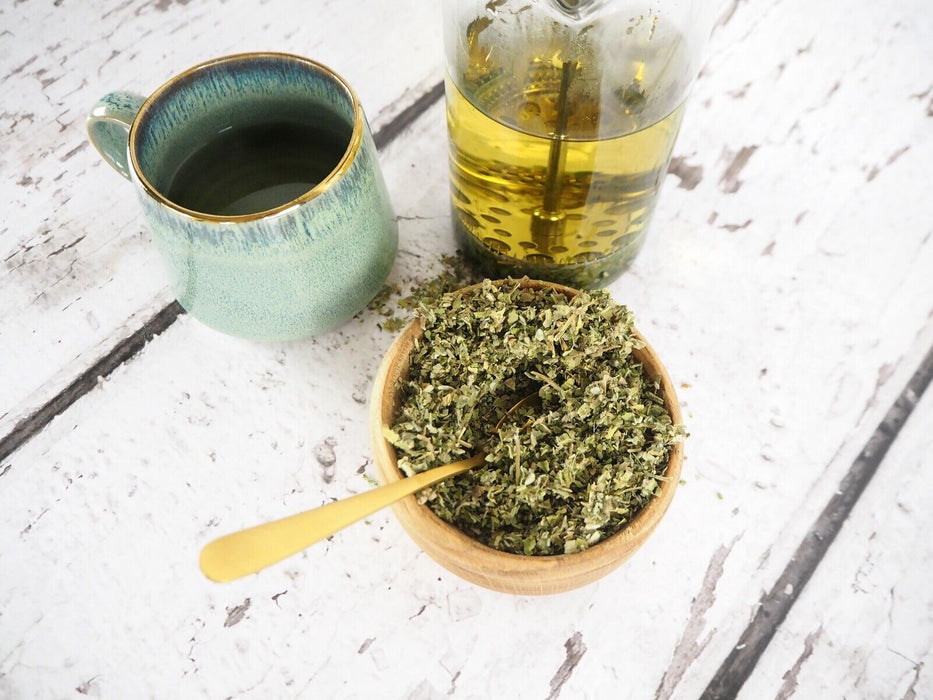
(561, 117)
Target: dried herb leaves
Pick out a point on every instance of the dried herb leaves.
(455, 273)
(562, 473)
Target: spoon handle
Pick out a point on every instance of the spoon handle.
(247, 551)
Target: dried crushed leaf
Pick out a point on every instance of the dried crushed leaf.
(561, 475)
(455, 273)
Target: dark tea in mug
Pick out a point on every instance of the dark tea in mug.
(245, 169)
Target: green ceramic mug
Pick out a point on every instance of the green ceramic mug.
(260, 183)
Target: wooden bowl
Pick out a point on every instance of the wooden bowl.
(488, 567)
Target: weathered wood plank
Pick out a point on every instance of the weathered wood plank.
(125, 348)
(78, 270)
(863, 626)
(774, 606)
(811, 346)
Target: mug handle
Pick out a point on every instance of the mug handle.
(108, 127)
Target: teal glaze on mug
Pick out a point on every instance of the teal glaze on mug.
(289, 272)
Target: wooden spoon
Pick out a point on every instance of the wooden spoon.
(248, 551)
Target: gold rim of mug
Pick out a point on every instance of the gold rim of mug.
(349, 154)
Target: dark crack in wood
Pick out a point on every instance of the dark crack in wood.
(729, 182)
(690, 647)
(732, 228)
(876, 169)
(575, 651)
(326, 457)
(453, 684)
(727, 14)
(66, 247)
(689, 175)
(789, 686)
(911, 692)
(237, 613)
(408, 116)
(86, 687)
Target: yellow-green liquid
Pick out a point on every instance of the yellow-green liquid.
(502, 173)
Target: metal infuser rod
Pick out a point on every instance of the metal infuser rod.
(547, 223)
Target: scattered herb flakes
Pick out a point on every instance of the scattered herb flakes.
(393, 324)
(455, 273)
(380, 303)
(567, 472)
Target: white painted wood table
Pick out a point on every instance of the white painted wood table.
(787, 284)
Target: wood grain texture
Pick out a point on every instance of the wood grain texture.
(785, 283)
(861, 627)
(79, 270)
(775, 605)
(126, 347)
(485, 566)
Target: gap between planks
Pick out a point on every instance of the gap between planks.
(126, 349)
(774, 606)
